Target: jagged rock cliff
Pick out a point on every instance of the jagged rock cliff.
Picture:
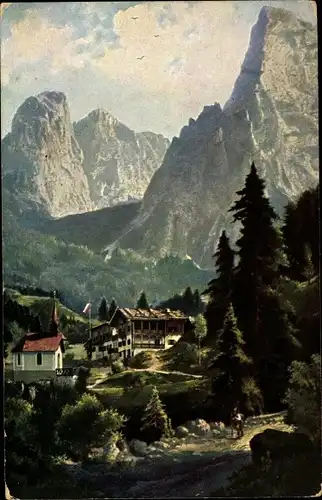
(42, 161)
(271, 117)
(118, 162)
(54, 169)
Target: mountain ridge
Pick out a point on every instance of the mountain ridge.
(185, 205)
(51, 165)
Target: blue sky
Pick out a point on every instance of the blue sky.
(192, 56)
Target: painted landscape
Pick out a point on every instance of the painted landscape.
(161, 301)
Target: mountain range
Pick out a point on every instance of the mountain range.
(99, 184)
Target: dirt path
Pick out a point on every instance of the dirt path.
(186, 469)
(151, 369)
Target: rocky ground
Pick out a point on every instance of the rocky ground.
(194, 465)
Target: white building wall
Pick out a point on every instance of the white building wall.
(57, 353)
(171, 336)
(29, 361)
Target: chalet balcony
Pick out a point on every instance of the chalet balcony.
(112, 350)
(145, 345)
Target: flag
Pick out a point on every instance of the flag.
(87, 307)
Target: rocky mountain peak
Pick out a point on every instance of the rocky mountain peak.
(271, 118)
(42, 159)
(118, 162)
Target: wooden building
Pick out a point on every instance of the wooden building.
(133, 330)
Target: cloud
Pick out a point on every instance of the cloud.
(32, 39)
(90, 51)
(202, 36)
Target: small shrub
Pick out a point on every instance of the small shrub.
(141, 360)
(303, 397)
(117, 367)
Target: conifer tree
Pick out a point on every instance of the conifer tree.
(231, 371)
(219, 289)
(102, 310)
(267, 330)
(112, 309)
(188, 301)
(155, 421)
(259, 256)
(198, 306)
(142, 302)
(35, 325)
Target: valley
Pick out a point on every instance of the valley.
(161, 297)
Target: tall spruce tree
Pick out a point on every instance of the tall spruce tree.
(219, 289)
(232, 382)
(188, 301)
(102, 310)
(259, 250)
(198, 305)
(155, 421)
(112, 309)
(265, 324)
(142, 302)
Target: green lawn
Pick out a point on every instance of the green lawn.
(121, 390)
(77, 350)
(37, 304)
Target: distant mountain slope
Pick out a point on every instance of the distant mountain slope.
(118, 162)
(54, 169)
(93, 229)
(271, 117)
(42, 161)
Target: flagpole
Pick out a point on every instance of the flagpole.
(90, 320)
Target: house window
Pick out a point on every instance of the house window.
(171, 342)
(58, 360)
(157, 342)
(39, 358)
(19, 360)
(128, 341)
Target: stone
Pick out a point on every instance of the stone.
(275, 445)
(138, 448)
(161, 445)
(181, 431)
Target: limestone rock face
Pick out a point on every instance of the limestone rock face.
(271, 118)
(42, 160)
(118, 162)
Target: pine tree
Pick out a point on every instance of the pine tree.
(231, 371)
(35, 325)
(219, 289)
(198, 306)
(102, 310)
(112, 309)
(259, 256)
(142, 302)
(267, 330)
(188, 301)
(155, 421)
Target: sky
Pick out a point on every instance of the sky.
(192, 52)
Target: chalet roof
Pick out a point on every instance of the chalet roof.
(130, 313)
(35, 342)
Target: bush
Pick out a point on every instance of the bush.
(141, 360)
(86, 425)
(303, 397)
(117, 367)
